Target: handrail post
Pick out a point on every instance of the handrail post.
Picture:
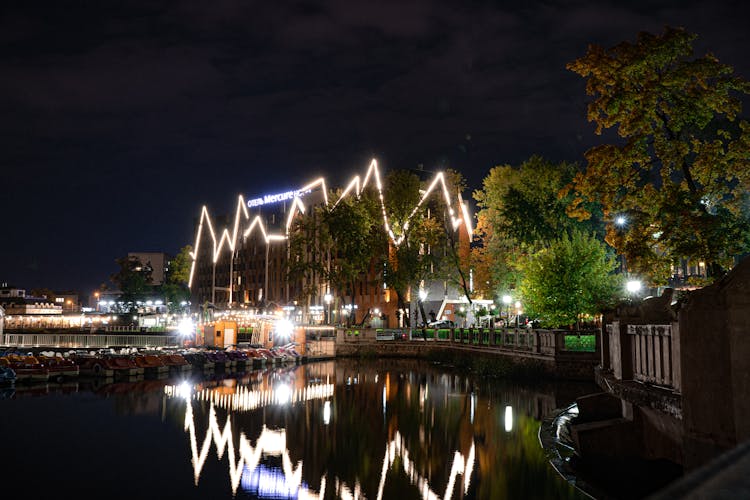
(559, 340)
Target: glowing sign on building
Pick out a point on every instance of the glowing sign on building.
(276, 198)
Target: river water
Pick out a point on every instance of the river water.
(378, 429)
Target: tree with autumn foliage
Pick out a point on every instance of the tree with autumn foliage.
(681, 174)
(522, 212)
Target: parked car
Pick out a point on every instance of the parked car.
(443, 323)
(391, 335)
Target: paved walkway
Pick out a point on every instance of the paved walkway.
(726, 477)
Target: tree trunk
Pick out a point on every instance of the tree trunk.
(401, 306)
(421, 310)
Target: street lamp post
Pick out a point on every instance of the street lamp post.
(506, 301)
(328, 298)
(518, 312)
(422, 298)
(620, 222)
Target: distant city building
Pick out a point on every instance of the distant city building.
(102, 300)
(156, 262)
(69, 301)
(15, 302)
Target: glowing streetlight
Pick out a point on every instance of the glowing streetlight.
(186, 327)
(633, 286)
(284, 329)
(328, 298)
(621, 221)
(422, 298)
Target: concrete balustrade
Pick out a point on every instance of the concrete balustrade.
(88, 341)
(565, 353)
(546, 342)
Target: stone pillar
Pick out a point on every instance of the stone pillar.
(559, 340)
(620, 351)
(604, 343)
(676, 365)
(714, 335)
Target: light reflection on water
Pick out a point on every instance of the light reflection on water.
(245, 460)
(344, 429)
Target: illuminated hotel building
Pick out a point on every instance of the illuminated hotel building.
(240, 260)
(250, 268)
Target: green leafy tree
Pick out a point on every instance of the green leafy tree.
(346, 239)
(175, 288)
(410, 261)
(133, 280)
(309, 252)
(682, 172)
(573, 277)
(353, 229)
(522, 211)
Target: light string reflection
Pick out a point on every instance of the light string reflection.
(244, 458)
(244, 399)
(397, 449)
(270, 442)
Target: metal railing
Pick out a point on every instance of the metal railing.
(88, 341)
(547, 342)
(134, 329)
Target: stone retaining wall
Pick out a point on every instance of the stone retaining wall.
(567, 366)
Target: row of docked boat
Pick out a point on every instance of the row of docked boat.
(45, 365)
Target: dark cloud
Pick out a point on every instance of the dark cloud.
(122, 119)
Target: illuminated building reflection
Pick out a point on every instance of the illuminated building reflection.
(244, 399)
(263, 466)
(397, 449)
(244, 460)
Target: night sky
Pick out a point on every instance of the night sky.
(120, 119)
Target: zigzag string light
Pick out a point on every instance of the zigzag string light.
(354, 187)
